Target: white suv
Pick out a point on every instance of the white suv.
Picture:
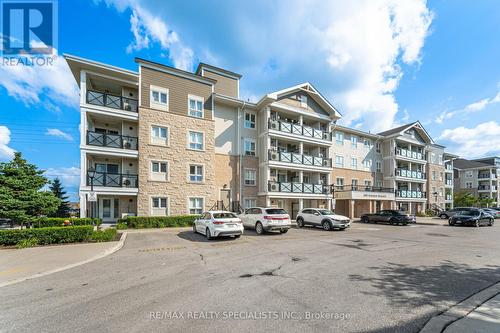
(266, 219)
(325, 218)
(218, 223)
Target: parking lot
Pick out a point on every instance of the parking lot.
(370, 278)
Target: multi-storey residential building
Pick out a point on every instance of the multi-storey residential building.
(162, 141)
(480, 177)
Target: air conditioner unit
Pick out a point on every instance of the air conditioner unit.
(274, 187)
(127, 145)
(127, 107)
(127, 182)
(274, 124)
(274, 156)
(326, 135)
(325, 162)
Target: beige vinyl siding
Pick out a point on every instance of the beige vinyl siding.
(179, 88)
(225, 85)
(294, 100)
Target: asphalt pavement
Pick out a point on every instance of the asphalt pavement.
(370, 278)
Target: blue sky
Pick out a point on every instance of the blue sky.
(382, 63)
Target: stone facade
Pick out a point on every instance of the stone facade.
(435, 183)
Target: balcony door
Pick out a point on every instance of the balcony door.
(107, 174)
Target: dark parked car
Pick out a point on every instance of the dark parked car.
(452, 212)
(473, 217)
(493, 212)
(389, 216)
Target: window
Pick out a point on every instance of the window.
(441, 176)
(196, 106)
(468, 174)
(354, 141)
(440, 191)
(195, 173)
(159, 206)
(379, 166)
(368, 163)
(340, 183)
(159, 170)
(368, 183)
(440, 159)
(250, 119)
(367, 143)
(195, 206)
(433, 175)
(250, 202)
(379, 150)
(468, 184)
(354, 163)
(339, 138)
(339, 161)
(159, 135)
(159, 98)
(379, 183)
(303, 101)
(250, 177)
(196, 140)
(354, 184)
(249, 146)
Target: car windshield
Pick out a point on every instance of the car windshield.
(469, 212)
(326, 212)
(275, 211)
(226, 215)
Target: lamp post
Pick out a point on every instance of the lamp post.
(436, 201)
(91, 175)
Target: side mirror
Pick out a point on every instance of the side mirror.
(316, 213)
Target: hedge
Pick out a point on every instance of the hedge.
(107, 235)
(44, 236)
(140, 222)
(45, 222)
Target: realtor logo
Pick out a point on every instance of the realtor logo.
(29, 27)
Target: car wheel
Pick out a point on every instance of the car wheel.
(194, 228)
(477, 224)
(237, 236)
(393, 222)
(443, 216)
(259, 229)
(491, 222)
(300, 222)
(208, 234)
(365, 219)
(326, 225)
(283, 231)
(451, 223)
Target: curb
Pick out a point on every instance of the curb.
(440, 322)
(109, 251)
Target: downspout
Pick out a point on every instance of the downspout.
(240, 153)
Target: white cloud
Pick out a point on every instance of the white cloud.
(58, 133)
(69, 176)
(6, 152)
(47, 85)
(473, 142)
(148, 28)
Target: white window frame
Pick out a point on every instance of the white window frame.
(468, 185)
(354, 141)
(189, 179)
(159, 105)
(189, 207)
(378, 166)
(159, 211)
(303, 101)
(158, 140)
(367, 143)
(368, 163)
(189, 140)
(196, 99)
(249, 122)
(378, 148)
(339, 165)
(252, 204)
(367, 182)
(245, 179)
(469, 174)
(159, 176)
(245, 148)
(341, 140)
(354, 163)
(337, 182)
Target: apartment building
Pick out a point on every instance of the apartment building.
(162, 141)
(479, 177)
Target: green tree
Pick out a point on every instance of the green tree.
(58, 190)
(486, 202)
(21, 195)
(464, 199)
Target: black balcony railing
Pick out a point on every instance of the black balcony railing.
(363, 188)
(111, 140)
(297, 129)
(114, 180)
(292, 187)
(111, 101)
(296, 158)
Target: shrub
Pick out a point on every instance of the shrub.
(121, 225)
(107, 235)
(50, 235)
(45, 222)
(421, 214)
(30, 242)
(140, 222)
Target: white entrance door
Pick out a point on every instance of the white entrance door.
(107, 209)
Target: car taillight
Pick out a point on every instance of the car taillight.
(218, 222)
(275, 218)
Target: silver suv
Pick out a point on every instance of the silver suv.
(325, 218)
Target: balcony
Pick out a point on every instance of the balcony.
(300, 130)
(114, 180)
(486, 188)
(296, 158)
(449, 197)
(410, 174)
(448, 182)
(405, 194)
(111, 140)
(409, 154)
(291, 187)
(487, 176)
(448, 168)
(111, 101)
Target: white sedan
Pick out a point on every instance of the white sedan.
(218, 223)
(325, 218)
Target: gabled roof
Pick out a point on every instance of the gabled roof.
(173, 70)
(399, 130)
(461, 163)
(215, 69)
(313, 92)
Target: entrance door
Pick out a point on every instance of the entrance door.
(108, 209)
(295, 210)
(225, 197)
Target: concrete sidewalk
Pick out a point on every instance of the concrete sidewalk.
(17, 265)
(484, 319)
